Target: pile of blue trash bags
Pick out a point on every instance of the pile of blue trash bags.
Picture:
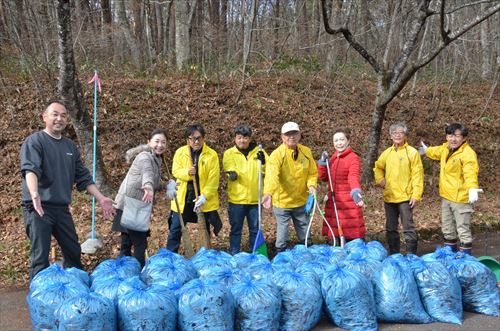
(355, 287)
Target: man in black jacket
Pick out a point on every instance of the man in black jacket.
(50, 166)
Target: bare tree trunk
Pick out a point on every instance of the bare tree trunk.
(106, 28)
(485, 50)
(247, 46)
(71, 92)
(182, 36)
(129, 36)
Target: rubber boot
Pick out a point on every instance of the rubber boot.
(411, 247)
(465, 248)
(452, 243)
(394, 244)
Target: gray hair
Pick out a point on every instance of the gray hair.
(396, 126)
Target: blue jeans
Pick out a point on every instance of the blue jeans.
(237, 214)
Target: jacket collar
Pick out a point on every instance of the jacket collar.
(345, 152)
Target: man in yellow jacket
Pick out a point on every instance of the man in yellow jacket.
(291, 174)
(400, 173)
(194, 159)
(241, 164)
(458, 185)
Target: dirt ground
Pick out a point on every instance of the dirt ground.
(14, 314)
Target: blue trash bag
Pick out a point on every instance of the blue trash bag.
(396, 294)
(439, 290)
(124, 266)
(46, 298)
(134, 283)
(301, 299)
(90, 311)
(445, 255)
(244, 259)
(373, 250)
(55, 272)
(81, 274)
(166, 270)
(317, 267)
(263, 270)
(107, 287)
(224, 275)
(302, 254)
(206, 305)
(348, 295)
(285, 260)
(164, 254)
(205, 259)
(480, 293)
(363, 264)
(147, 308)
(258, 304)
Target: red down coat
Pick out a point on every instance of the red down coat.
(345, 171)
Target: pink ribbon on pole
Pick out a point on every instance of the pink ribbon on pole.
(96, 78)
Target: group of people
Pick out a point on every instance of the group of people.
(51, 166)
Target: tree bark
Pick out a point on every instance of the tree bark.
(71, 92)
(129, 35)
(182, 37)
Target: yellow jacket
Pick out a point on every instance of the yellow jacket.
(245, 189)
(208, 173)
(288, 180)
(403, 173)
(458, 173)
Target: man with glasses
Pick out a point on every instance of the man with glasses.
(458, 185)
(291, 174)
(194, 161)
(400, 173)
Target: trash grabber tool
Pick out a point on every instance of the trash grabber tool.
(204, 240)
(259, 245)
(309, 210)
(94, 240)
(185, 239)
(322, 213)
(339, 226)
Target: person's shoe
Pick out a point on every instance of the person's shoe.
(394, 245)
(452, 243)
(411, 247)
(280, 249)
(465, 248)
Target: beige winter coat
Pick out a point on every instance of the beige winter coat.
(145, 171)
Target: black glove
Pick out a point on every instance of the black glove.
(232, 175)
(261, 157)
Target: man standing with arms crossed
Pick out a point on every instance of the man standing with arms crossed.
(50, 166)
(291, 174)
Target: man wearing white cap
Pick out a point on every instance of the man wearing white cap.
(291, 174)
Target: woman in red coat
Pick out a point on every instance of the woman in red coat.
(345, 172)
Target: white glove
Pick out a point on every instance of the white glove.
(473, 194)
(171, 189)
(422, 149)
(199, 202)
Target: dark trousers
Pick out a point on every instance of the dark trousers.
(393, 212)
(140, 242)
(237, 214)
(131, 238)
(56, 221)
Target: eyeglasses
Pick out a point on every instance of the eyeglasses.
(398, 133)
(454, 135)
(195, 139)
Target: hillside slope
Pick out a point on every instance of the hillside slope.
(130, 109)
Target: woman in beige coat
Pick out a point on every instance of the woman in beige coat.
(142, 181)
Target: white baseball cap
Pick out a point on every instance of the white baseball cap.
(289, 126)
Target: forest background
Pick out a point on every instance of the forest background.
(361, 64)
